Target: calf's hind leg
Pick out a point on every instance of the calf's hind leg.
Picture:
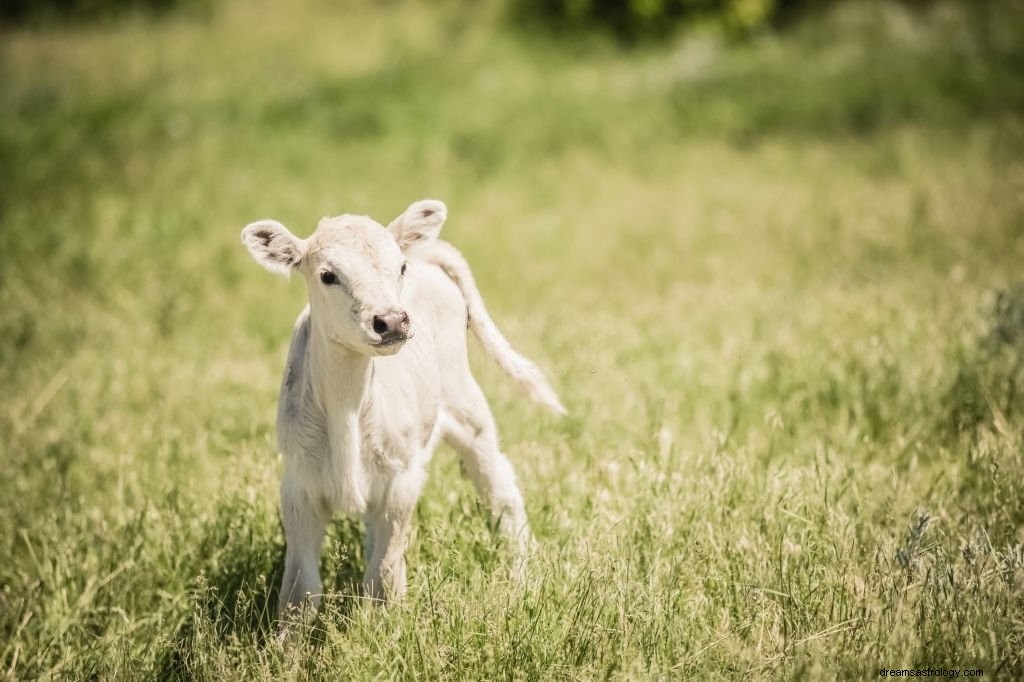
(470, 430)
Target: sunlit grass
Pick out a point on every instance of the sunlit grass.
(765, 279)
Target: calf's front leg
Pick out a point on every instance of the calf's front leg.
(305, 521)
(387, 528)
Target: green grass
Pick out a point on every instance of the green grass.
(776, 284)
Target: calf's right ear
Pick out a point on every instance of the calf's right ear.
(419, 224)
(271, 245)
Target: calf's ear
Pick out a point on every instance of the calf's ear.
(271, 245)
(419, 224)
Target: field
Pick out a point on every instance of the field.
(777, 283)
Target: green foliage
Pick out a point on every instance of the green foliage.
(776, 283)
(63, 11)
(635, 20)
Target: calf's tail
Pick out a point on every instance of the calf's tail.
(519, 368)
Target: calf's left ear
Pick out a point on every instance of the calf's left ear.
(271, 245)
(419, 224)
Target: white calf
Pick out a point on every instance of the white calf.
(358, 420)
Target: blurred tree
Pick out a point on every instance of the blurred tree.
(50, 11)
(636, 20)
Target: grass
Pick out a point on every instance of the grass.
(776, 284)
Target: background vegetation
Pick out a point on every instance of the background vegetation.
(644, 20)
(776, 283)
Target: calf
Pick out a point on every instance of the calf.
(377, 375)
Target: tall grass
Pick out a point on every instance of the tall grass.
(777, 285)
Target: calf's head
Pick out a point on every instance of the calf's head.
(354, 269)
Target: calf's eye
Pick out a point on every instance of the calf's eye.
(402, 273)
(328, 277)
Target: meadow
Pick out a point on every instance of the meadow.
(776, 281)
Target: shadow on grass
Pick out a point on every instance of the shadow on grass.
(234, 598)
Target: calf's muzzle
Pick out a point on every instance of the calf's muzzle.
(392, 326)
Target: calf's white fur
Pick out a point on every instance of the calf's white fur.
(377, 375)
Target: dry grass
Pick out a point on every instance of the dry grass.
(764, 278)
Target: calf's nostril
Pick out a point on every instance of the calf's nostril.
(379, 325)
